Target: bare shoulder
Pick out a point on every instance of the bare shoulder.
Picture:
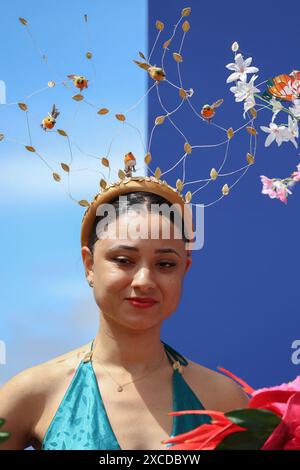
(42, 377)
(23, 397)
(215, 390)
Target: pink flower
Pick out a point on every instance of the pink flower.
(275, 188)
(275, 398)
(267, 182)
(268, 186)
(283, 400)
(281, 194)
(296, 174)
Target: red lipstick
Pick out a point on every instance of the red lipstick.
(142, 302)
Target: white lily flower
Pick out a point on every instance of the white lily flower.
(295, 109)
(241, 68)
(249, 103)
(292, 131)
(275, 132)
(244, 90)
(276, 107)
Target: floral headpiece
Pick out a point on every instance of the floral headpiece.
(280, 95)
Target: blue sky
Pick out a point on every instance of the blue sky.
(46, 306)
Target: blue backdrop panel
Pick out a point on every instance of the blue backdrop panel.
(240, 304)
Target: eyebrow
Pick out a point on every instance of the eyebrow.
(133, 248)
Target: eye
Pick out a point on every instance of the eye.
(164, 264)
(123, 261)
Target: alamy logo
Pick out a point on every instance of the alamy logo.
(181, 218)
(2, 92)
(2, 353)
(296, 354)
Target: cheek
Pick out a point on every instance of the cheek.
(109, 278)
(171, 287)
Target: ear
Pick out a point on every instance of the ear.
(188, 262)
(88, 262)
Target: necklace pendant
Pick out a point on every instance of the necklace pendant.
(120, 388)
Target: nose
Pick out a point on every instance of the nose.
(143, 279)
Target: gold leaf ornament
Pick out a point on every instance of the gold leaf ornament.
(62, 132)
(23, 21)
(121, 175)
(157, 173)
(167, 43)
(230, 133)
(142, 55)
(253, 112)
(188, 196)
(120, 117)
(83, 202)
(214, 174)
(186, 26)
(105, 161)
(250, 158)
(89, 55)
(159, 25)
(65, 167)
(23, 106)
(103, 111)
(251, 130)
(187, 148)
(103, 183)
(78, 97)
(182, 93)
(225, 190)
(56, 176)
(30, 148)
(148, 158)
(159, 120)
(186, 11)
(177, 57)
(179, 185)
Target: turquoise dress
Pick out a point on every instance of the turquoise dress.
(81, 421)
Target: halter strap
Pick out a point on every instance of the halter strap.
(175, 358)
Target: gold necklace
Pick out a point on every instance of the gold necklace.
(120, 387)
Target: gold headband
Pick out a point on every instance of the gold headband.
(135, 184)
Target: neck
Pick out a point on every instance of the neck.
(137, 351)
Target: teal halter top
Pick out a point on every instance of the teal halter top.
(81, 421)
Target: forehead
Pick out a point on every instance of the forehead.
(145, 230)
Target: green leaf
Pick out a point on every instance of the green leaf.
(259, 426)
(241, 440)
(3, 435)
(254, 419)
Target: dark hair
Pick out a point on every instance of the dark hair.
(139, 197)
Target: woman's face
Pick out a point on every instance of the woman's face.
(137, 266)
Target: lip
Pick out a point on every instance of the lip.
(142, 302)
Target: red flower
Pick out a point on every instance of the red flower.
(205, 436)
(283, 400)
(287, 435)
(275, 398)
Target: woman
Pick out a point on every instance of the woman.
(116, 392)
